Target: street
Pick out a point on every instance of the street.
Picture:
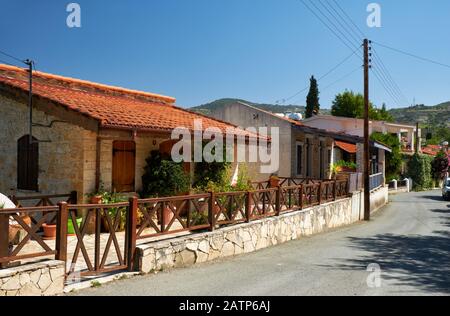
(409, 240)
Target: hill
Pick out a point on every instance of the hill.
(432, 116)
(274, 108)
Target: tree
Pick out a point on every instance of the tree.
(348, 104)
(163, 177)
(419, 170)
(312, 100)
(440, 166)
(384, 114)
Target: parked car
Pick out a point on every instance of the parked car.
(446, 190)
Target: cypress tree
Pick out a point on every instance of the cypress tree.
(312, 100)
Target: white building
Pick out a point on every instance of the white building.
(352, 126)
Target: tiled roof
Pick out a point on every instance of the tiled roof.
(350, 148)
(431, 150)
(112, 107)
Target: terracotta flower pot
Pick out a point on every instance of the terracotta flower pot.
(274, 182)
(90, 229)
(49, 231)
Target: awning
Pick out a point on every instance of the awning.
(350, 148)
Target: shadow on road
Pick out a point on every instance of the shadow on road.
(437, 198)
(420, 261)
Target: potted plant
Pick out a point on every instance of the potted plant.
(274, 181)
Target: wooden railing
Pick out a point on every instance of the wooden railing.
(99, 248)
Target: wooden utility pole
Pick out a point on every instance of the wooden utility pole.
(366, 133)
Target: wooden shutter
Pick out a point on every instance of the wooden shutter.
(124, 166)
(27, 164)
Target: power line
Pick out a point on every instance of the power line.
(413, 55)
(358, 40)
(320, 78)
(383, 74)
(385, 86)
(6, 63)
(333, 24)
(378, 61)
(12, 57)
(326, 25)
(342, 78)
(349, 19)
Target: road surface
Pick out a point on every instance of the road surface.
(409, 240)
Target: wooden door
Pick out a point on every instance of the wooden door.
(124, 166)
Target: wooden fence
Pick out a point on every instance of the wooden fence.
(101, 250)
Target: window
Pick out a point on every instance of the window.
(299, 166)
(124, 166)
(27, 163)
(309, 150)
(321, 160)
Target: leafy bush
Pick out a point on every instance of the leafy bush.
(163, 177)
(222, 181)
(393, 159)
(345, 164)
(440, 166)
(419, 170)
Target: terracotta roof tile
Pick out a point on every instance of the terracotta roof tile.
(113, 107)
(350, 148)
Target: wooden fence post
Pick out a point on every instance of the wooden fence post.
(319, 198)
(301, 193)
(278, 201)
(131, 232)
(248, 207)
(61, 231)
(211, 213)
(334, 190)
(4, 238)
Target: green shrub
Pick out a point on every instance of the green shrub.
(393, 159)
(440, 166)
(419, 170)
(163, 177)
(222, 181)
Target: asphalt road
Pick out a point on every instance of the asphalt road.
(409, 240)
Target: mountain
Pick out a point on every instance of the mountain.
(430, 116)
(274, 108)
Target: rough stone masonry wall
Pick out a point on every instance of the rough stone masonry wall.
(245, 238)
(60, 161)
(38, 279)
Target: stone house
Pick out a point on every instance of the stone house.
(84, 135)
(305, 151)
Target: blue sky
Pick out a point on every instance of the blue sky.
(202, 50)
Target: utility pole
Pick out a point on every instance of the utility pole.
(29, 63)
(366, 133)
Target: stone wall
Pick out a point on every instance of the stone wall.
(246, 238)
(38, 279)
(61, 154)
